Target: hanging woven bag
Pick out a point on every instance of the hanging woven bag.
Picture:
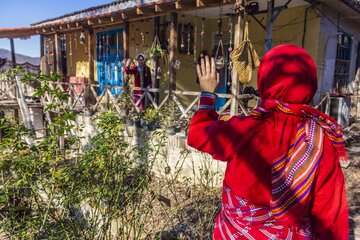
(245, 58)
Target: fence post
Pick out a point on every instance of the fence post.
(25, 112)
(235, 85)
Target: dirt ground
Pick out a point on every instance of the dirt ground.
(352, 178)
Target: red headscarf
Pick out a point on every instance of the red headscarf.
(287, 76)
(287, 73)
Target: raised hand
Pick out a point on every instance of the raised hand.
(129, 62)
(208, 76)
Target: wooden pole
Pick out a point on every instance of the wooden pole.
(90, 46)
(155, 62)
(269, 25)
(13, 57)
(235, 85)
(24, 109)
(125, 49)
(90, 50)
(172, 50)
(42, 54)
(126, 38)
(58, 62)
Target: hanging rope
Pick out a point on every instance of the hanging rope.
(245, 58)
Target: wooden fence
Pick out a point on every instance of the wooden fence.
(88, 97)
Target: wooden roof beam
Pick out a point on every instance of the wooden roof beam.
(200, 3)
(61, 27)
(178, 5)
(139, 11)
(158, 8)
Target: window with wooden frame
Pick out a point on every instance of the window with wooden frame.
(342, 63)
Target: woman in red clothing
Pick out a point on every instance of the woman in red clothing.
(283, 178)
(142, 76)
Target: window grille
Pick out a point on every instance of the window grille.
(342, 63)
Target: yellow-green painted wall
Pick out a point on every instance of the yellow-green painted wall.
(288, 28)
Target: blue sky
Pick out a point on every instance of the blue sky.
(21, 13)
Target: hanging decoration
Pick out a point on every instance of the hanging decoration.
(189, 39)
(103, 56)
(116, 67)
(47, 51)
(132, 39)
(155, 52)
(158, 75)
(202, 37)
(230, 34)
(245, 58)
(146, 35)
(108, 63)
(83, 41)
(137, 43)
(99, 46)
(142, 41)
(220, 56)
(219, 21)
(51, 56)
(195, 42)
(177, 64)
(182, 45)
(75, 40)
(70, 51)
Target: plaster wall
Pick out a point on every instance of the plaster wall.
(328, 47)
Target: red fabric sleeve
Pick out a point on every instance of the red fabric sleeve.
(131, 70)
(329, 208)
(207, 133)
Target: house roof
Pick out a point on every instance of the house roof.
(108, 14)
(103, 7)
(355, 4)
(79, 19)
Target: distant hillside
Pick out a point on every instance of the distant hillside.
(19, 57)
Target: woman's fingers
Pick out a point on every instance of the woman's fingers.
(203, 69)
(198, 71)
(207, 65)
(213, 69)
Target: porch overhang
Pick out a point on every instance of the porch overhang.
(350, 9)
(98, 19)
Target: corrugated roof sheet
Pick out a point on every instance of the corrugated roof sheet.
(81, 13)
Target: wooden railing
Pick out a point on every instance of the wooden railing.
(84, 97)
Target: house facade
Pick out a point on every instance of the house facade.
(88, 46)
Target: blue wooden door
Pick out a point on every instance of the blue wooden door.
(109, 48)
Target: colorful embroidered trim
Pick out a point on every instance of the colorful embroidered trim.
(207, 101)
(293, 174)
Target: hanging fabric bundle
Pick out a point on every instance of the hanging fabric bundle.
(245, 58)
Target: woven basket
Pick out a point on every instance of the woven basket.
(244, 58)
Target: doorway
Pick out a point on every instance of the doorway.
(109, 48)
